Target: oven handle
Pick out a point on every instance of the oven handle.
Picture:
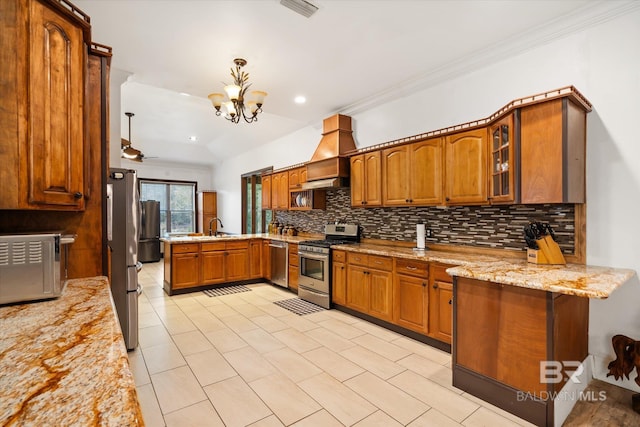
(323, 257)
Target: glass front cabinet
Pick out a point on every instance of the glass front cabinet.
(502, 158)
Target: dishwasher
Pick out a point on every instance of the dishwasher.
(279, 263)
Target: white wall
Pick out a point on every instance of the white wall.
(601, 62)
(172, 171)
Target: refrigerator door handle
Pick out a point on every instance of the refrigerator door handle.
(109, 212)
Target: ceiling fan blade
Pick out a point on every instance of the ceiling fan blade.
(124, 142)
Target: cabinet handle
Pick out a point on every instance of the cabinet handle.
(364, 203)
(406, 200)
(450, 302)
(435, 286)
(77, 195)
(411, 267)
(342, 268)
(424, 284)
(446, 199)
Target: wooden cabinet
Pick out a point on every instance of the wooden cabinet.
(466, 168)
(366, 179)
(212, 264)
(503, 335)
(305, 200)
(266, 259)
(43, 116)
(293, 266)
(369, 285)
(297, 177)
(440, 302)
(412, 174)
(185, 265)
(280, 191)
(207, 212)
(553, 152)
(411, 295)
(339, 277)
(255, 258)
(236, 261)
(266, 191)
(502, 166)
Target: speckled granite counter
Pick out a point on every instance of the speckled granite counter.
(571, 279)
(63, 361)
(199, 239)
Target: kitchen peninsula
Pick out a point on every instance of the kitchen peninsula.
(63, 361)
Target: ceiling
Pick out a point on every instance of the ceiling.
(346, 57)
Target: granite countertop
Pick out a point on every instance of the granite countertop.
(223, 238)
(64, 362)
(572, 279)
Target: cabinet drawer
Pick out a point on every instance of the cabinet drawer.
(339, 256)
(358, 259)
(293, 249)
(240, 244)
(412, 267)
(293, 260)
(184, 248)
(380, 262)
(439, 273)
(212, 246)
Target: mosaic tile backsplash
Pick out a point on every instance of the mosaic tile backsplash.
(498, 227)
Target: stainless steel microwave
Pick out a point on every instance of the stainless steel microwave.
(32, 266)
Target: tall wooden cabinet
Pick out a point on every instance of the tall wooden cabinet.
(207, 212)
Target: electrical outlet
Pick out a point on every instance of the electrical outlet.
(429, 232)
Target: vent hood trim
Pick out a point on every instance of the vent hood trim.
(325, 183)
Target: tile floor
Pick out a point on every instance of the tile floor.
(240, 360)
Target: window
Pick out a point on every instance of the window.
(177, 204)
(254, 219)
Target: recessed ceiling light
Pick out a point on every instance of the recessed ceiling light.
(193, 138)
(300, 99)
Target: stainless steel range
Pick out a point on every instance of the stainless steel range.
(314, 282)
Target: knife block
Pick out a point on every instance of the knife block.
(548, 253)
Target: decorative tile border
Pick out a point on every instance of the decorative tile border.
(498, 227)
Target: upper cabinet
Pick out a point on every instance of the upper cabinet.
(266, 191)
(553, 152)
(466, 168)
(42, 117)
(502, 166)
(412, 174)
(279, 191)
(366, 179)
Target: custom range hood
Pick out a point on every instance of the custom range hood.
(329, 166)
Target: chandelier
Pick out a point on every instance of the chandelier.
(126, 149)
(237, 105)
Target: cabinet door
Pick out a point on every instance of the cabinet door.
(395, 185)
(209, 202)
(55, 145)
(294, 178)
(339, 283)
(275, 190)
(411, 303)
(266, 192)
(186, 270)
(373, 178)
(441, 311)
(380, 294)
(466, 167)
(213, 267)
(283, 191)
(237, 264)
(357, 181)
(266, 260)
(426, 172)
(255, 259)
(502, 165)
(357, 288)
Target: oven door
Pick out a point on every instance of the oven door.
(314, 271)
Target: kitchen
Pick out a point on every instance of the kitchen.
(583, 59)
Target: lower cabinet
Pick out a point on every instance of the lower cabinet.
(440, 303)
(266, 259)
(255, 259)
(208, 263)
(411, 295)
(369, 285)
(339, 277)
(293, 266)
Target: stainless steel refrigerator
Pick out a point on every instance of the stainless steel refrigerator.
(123, 228)
(149, 244)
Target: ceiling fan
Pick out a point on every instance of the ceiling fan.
(126, 149)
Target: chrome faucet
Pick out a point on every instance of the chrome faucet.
(215, 218)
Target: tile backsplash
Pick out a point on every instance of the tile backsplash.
(498, 227)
